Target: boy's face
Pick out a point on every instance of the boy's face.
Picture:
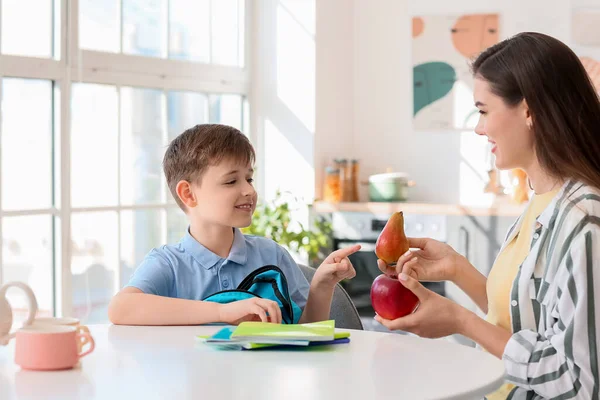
(225, 195)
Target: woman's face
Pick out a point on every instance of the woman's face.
(507, 128)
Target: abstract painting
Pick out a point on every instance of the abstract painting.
(442, 47)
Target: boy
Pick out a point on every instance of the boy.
(208, 169)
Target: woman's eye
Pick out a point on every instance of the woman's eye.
(481, 112)
(230, 183)
(250, 180)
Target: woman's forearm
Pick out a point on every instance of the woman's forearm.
(491, 337)
(472, 282)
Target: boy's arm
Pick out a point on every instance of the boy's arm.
(336, 267)
(131, 306)
(318, 304)
(150, 298)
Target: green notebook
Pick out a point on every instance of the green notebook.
(314, 332)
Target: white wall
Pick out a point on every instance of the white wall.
(335, 74)
(369, 115)
(283, 96)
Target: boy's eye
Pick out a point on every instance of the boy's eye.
(481, 112)
(250, 180)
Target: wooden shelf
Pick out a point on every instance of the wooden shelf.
(500, 209)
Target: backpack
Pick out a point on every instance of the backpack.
(267, 282)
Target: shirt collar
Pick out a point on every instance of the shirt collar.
(546, 217)
(207, 258)
(237, 254)
(548, 214)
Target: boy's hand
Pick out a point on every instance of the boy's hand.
(254, 309)
(336, 267)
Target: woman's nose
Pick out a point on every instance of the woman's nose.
(479, 129)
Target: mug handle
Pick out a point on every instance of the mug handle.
(33, 306)
(87, 338)
(83, 339)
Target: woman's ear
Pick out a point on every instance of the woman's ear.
(527, 114)
(185, 194)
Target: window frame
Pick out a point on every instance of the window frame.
(75, 65)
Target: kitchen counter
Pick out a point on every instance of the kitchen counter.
(502, 208)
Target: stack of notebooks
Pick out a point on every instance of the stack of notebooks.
(261, 335)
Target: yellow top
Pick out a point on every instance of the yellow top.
(504, 271)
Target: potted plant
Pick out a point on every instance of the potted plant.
(275, 220)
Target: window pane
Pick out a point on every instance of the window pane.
(94, 135)
(27, 252)
(226, 109)
(226, 25)
(189, 25)
(142, 145)
(141, 231)
(99, 25)
(184, 110)
(144, 27)
(177, 224)
(22, 99)
(24, 32)
(93, 264)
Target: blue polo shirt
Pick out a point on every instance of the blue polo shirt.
(188, 270)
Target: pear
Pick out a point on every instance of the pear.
(392, 241)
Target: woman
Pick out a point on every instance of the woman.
(540, 112)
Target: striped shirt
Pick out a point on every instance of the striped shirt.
(553, 352)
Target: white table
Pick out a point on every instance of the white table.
(166, 363)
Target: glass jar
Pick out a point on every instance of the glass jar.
(345, 180)
(332, 187)
(520, 186)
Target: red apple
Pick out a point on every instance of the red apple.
(390, 299)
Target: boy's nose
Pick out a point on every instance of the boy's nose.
(249, 190)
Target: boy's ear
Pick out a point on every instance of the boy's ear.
(185, 194)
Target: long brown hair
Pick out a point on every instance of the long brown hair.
(563, 104)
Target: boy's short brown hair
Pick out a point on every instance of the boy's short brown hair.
(190, 153)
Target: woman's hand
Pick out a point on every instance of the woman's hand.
(435, 317)
(431, 261)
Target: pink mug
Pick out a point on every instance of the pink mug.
(50, 347)
(74, 322)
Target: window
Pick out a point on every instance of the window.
(206, 31)
(27, 196)
(121, 204)
(82, 194)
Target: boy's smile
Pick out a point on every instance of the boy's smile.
(246, 207)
